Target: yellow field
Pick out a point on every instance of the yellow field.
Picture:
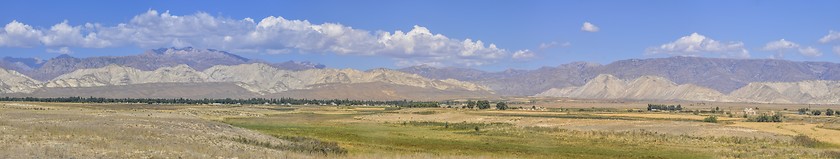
(811, 130)
(667, 116)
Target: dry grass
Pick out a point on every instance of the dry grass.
(810, 130)
(668, 116)
(78, 130)
(32, 130)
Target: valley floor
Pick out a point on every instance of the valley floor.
(74, 130)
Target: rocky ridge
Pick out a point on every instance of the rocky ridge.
(607, 86)
(256, 77)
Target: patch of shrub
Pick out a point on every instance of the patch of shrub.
(805, 141)
(428, 112)
(710, 119)
(831, 154)
(455, 126)
(767, 118)
(299, 144)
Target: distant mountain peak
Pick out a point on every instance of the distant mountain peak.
(296, 65)
(64, 56)
(190, 51)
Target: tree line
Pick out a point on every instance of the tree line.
(485, 104)
(663, 107)
(269, 101)
(808, 111)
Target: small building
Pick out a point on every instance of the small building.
(749, 111)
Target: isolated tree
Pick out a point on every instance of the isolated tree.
(776, 117)
(484, 104)
(470, 104)
(803, 111)
(829, 112)
(816, 112)
(501, 106)
(710, 119)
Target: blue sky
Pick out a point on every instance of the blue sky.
(526, 34)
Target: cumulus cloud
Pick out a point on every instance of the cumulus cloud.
(780, 45)
(832, 35)
(523, 54)
(271, 35)
(62, 50)
(589, 27)
(699, 45)
(17, 34)
(810, 51)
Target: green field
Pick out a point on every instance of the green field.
(459, 139)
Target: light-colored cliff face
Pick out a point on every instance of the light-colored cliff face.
(643, 88)
(658, 88)
(811, 92)
(14, 82)
(119, 75)
(255, 77)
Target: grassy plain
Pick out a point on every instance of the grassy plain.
(82, 130)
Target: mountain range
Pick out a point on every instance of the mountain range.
(170, 72)
(723, 75)
(199, 59)
(607, 86)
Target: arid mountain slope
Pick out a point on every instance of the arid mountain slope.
(723, 75)
(380, 91)
(239, 81)
(198, 59)
(811, 92)
(658, 88)
(13, 82)
(643, 88)
(152, 90)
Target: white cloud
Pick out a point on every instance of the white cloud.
(780, 45)
(17, 34)
(277, 51)
(699, 45)
(836, 50)
(589, 27)
(523, 54)
(62, 50)
(810, 51)
(62, 34)
(272, 35)
(832, 35)
(406, 63)
(553, 44)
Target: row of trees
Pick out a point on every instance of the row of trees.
(652, 107)
(270, 101)
(485, 104)
(828, 112)
(767, 118)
